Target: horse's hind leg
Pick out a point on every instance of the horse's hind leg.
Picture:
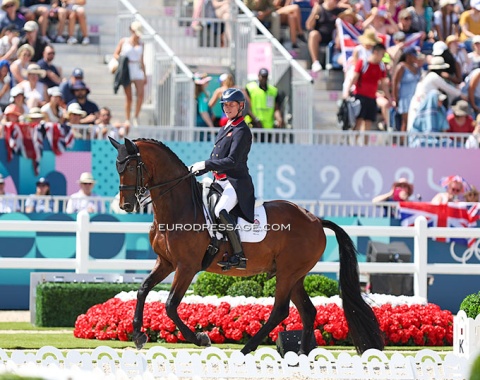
(307, 312)
(158, 274)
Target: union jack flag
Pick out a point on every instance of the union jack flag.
(59, 136)
(454, 214)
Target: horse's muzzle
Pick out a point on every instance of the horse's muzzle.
(128, 207)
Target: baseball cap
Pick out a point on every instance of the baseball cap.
(54, 91)
(77, 73)
(30, 26)
(439, 47)
(263, 72)
(42, 181)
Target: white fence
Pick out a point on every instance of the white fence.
(83, 227)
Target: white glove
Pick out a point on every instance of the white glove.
(197, 167)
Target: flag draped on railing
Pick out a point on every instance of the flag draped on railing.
(453, 214)
(27, 139)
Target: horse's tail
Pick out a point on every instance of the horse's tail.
(362, 323)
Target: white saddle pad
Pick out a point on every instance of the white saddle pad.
(248, 232)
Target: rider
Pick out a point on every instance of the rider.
(228, 161)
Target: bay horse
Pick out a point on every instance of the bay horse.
(148, 167)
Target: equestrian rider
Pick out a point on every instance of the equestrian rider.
(228, 162)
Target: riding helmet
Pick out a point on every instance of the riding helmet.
(232, 95)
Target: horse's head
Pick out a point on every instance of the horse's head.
(131, 170)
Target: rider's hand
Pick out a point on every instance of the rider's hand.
(197, 167)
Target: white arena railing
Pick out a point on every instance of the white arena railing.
(83, 227)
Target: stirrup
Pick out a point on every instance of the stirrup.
(234, 261)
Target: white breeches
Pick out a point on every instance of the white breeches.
(228, 200)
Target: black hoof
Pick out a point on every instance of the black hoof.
(203, 340)
(140, 340)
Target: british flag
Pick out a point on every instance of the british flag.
(59, 136)
(454, 214)
(25, 139)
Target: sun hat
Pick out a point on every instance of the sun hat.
(43, 181)
(475, 4)
(438, 63)
(349, 12)
(16, 90)
(476, 39)
(6, 2)
(369, 38)
(12, 109)
(86, 177)
(460, 108)
(451, 39)
(80, 85)
(30, 26)
(76, 109)
(444, 3)
(404, 182)
(136, 27)
(34, 68)
(54, 91)
(35, 113)
(439, 47)
(201, 78)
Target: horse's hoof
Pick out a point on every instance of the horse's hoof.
(204, 340)
(140, 340)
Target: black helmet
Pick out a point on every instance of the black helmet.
(232, 95)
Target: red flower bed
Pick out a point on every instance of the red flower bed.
(415, 325)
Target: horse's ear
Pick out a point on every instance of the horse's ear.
(114, 142)
(131, 147)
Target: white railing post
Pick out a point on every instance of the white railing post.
(420, 257)
(82, 242)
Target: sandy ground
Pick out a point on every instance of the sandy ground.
(14, 316)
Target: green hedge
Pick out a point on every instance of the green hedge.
(471, 305)
(59, 304)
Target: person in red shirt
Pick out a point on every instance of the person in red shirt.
(367, 77)
(460, 120)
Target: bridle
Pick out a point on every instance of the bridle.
(140, 187)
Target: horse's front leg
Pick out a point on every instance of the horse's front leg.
(180, 284)
(161, 270)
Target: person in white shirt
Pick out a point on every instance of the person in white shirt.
(84, 198)
(7, 200)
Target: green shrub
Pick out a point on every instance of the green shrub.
(475, 370)
(211, 284)
(59, 304)
(471, 305)
(269, 287)
(319, 285)
(247, 288)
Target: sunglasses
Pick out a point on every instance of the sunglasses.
(455, 190)
(9, 5)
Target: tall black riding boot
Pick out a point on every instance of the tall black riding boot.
(237, 260)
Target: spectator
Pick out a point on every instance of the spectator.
(405, 79)
(18, 67)
(81, 91)
(453, 73)
(7, 201)
(321, 25)
(367, 77)
(35, 116)
(264, 103)
(76, 13)
(132, 48)
(66, 86)
(105, 127)
(460, 54)
(5, 80)
(82, 199)
(11, 115)
(57, 12)
(472, 195)
(459, 120)
(53, 73)
(222, 12)
(264, 10)
(381, 21)
(445, 20)
(471, 90)
(9, 43)
(16, 93)
(35, 91)
(474, 139)
(32, 38)
(204, 118)
(41, 201)
(40, 10)
(401, 190)
(75, 115)
(54, 110)
(432, 81)
(422, 16)
(470, 21)
(474, 56)
(11, 15)
(396, 51)
(405, 22)
(226, 82)
(290, 15)
(455, 187)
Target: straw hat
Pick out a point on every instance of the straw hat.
(460, 108)
(86, 177)
(136, 27)
(450, 39)
(348, 13)
(75, 109)
(6, 2)
(201, 78)
(35, 113)
(438, 63)
(404, 182)
(34, 68)
(444, 3)
(369, 38)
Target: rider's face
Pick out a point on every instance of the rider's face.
(231, 109)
